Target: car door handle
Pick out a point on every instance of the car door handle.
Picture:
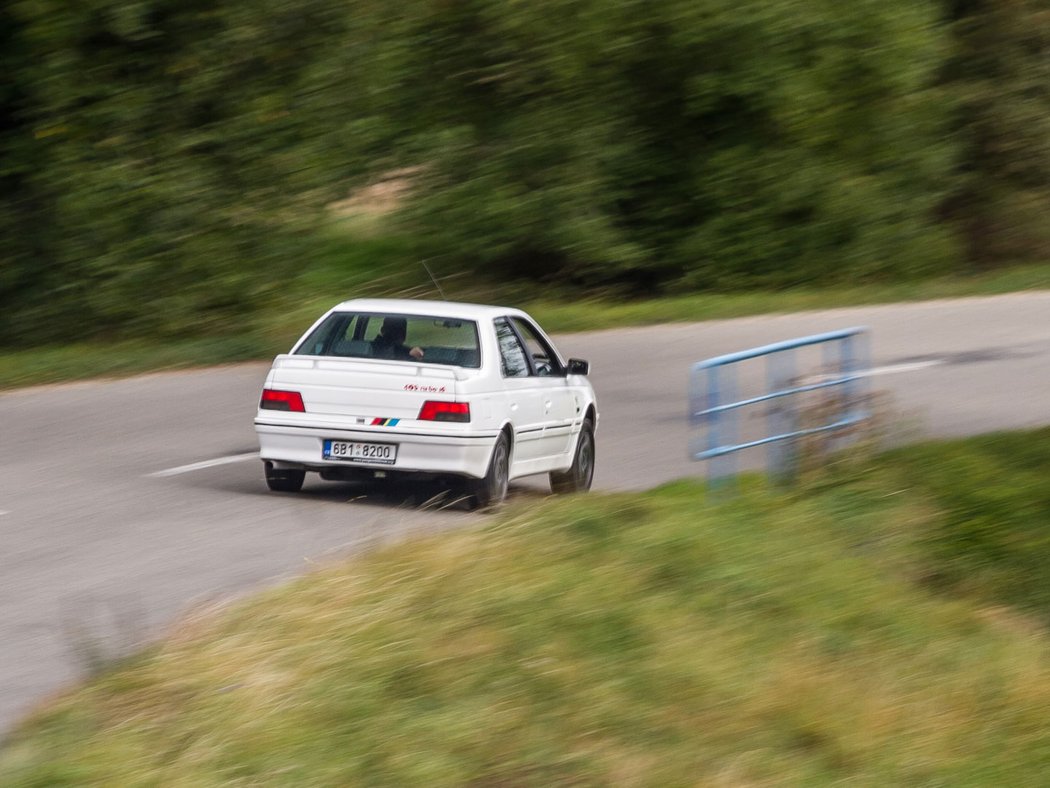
(547, 405)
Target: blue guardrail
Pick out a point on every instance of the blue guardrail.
(714, 403)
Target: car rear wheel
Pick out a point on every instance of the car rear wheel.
(491, 490)
(580, 474)
(284, 479)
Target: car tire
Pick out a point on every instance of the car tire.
(284, 479)
(492, 490)
(580, 474)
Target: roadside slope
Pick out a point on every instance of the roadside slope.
(838, 632)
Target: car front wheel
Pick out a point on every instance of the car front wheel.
(581, 472)
(284, 479)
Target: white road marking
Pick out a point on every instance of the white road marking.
(3, 512)
(889, 369)
(199, 466)
(893, 369)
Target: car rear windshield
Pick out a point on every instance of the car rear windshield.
(417, 338)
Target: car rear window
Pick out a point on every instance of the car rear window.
(442, 340)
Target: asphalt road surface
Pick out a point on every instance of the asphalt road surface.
(128, 504)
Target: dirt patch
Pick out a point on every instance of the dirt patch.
(379, 198)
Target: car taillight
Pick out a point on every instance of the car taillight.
(272, 399)
(437, 410)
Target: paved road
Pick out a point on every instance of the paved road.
(97, 552)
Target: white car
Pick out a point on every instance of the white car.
(379, 388)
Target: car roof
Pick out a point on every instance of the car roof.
(406, 306)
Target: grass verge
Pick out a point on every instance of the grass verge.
(586, 314)
(267, 335)
(83, 361)
(851, 630)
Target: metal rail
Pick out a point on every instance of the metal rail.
(714, 403)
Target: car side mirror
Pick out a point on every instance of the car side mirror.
(577, 366)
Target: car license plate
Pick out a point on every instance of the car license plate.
(356, 451)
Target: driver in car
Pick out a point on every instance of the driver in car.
(390, 342)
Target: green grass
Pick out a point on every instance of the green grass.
(356, 258)
(275, 332)
(992, 539)
(87, 360)
(592, 313)
(834, 633)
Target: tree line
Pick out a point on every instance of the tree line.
(165, 162)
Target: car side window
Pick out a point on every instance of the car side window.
(512, 355)
(544, 360)
(326, 338)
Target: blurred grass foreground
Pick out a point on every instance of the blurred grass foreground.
(887, 626)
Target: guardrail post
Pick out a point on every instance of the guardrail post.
(713, 421)
(836, 355)
(781, 416)
(721, 425)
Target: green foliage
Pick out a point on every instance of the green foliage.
(165, 164)
(168, 169)
(999, 77)
(691, 144)
(20, 236)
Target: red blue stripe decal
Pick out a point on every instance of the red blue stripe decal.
(385, 422)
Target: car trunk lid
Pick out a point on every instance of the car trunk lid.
(363, 388)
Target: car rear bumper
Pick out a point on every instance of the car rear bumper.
(301, 447)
